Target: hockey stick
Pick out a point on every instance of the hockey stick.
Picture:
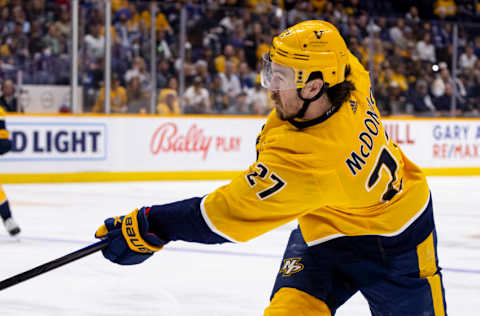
(53, 264)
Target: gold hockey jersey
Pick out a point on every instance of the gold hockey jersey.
(341, 177)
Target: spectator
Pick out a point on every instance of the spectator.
(162, 44)
(118, 98)
(163, 72)
(420, 99)
(228, 56)
(197, 99)
(139, 69)
(161, 23)
(118, 5)
(63, 24)
(440, 37)
(95, 74)
(394, 79)
(172, 87)
(378, 53)
(468, 58)
(52, 41)
(218, 98)
(169, 105)
(444, 101)
(397, 98)
(230, 82)
(438, 85)
(4, 16)
(35, 44)
(412, 17)
(124, 41)
(228, 22)
(411, 53)
(384, 34)
(240, 106)
(238, 38)
(11, 49)
(426, 50)
(257, 97)
(137, 100)
(245, 76)
(21, 38)
(36, 11)
(95, 42)
(298, 13)
(8, 100)
(445, 8)
(397, 33)
(134, 17)
(201, 70)
(19, 18)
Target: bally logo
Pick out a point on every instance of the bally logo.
(291, 266)
(169, 138)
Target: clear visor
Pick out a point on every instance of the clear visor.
(275, 76)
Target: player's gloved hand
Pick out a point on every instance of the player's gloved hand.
(129, 239)
(5, 143)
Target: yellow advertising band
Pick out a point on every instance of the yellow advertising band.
(131, 233)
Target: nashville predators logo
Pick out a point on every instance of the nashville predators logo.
(291, 266)
(318, 34)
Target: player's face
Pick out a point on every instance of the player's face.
(287, 103)
(284, 92)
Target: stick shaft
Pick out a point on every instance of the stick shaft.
(53, 264)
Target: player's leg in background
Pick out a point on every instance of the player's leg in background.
(307, 283)
(414, 287)
(11, 226)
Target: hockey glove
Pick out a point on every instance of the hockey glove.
(129, 239)
(5, 143)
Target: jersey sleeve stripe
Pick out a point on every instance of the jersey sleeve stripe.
(324, 239)
(210, 224)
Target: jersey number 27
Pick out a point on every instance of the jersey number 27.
(262, 172)
(385, 159)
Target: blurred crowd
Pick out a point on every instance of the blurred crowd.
(407, 45)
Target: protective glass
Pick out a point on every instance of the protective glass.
(276, 77)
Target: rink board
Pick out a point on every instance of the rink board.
(70, 148)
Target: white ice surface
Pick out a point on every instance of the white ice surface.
(189, 279)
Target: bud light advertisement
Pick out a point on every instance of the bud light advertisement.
(56, 141)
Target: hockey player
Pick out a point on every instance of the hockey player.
(5, 146)
(323, 157)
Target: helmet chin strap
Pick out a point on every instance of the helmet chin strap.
(306, 102)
